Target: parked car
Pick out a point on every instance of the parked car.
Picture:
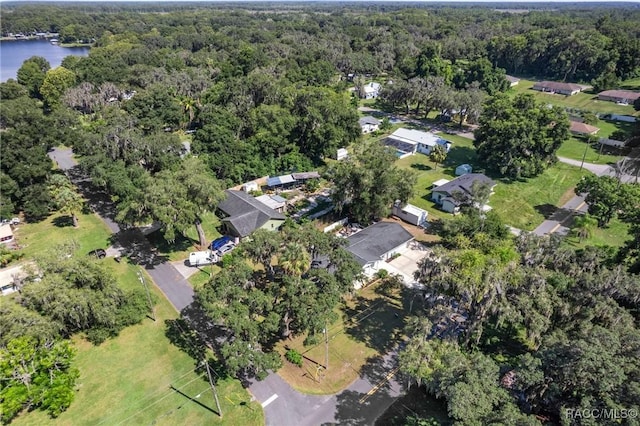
(199, 258)
(225, 249)
(218, 243)
(99, 253)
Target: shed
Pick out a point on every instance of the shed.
(341, 154)
(410, 213)
(6, 233)
(250, 186)
(463, 169)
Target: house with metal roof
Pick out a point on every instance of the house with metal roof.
(453, 194)
(377, 243)
(243, 214)
(410, 141)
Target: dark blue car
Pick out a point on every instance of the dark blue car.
(219, 243)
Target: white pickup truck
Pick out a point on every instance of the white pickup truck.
(199, 258)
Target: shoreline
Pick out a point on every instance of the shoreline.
(32, 38)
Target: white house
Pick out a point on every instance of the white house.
(410, 213)
(450, 196)
(377, 243)
(410, 141)
(369, 124)
(371, 90)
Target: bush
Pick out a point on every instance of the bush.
(294, 357)
(382, 273)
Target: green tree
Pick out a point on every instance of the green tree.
(32, 73)
(604, 196)
(179, 197)
(65, 197)
(36, 375)
(368, 182)
(56, 82)
(438, 154)
(583, 227)
(294, 259)
(519, 137)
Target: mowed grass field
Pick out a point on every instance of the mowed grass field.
(576, 149)
(127, 380)
(370, 324)
(585, 101)
(520, 204)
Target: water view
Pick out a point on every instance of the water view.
(13, 53)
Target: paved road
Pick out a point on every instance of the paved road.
(283, 406)
(165, 276)
(356, 405)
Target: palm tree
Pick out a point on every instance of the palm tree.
(583, 226)
(295, 259)
(67, 200)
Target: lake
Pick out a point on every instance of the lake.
(14, 52)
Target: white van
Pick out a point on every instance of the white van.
(199, 258)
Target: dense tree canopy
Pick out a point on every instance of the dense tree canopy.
(519, 137)
(289, 297)
(368, 182)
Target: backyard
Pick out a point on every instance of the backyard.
(370, 324)
(521, 204)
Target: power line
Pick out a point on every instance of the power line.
(160, 399)
(147, 396)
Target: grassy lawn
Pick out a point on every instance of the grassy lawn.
(631, 84)
(615, 234)
(37, 238)
(126, 380)
(182, 246)
(520, 204)
(582, 101)
(368, 328)
(523, 204)
(203, 276)
(574, 148)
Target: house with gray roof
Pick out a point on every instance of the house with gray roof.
(377, 243)
(452, 194)
(243, 214)
(369, 124)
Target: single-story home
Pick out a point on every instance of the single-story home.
(450, 195)
(6, 233)
(410, 141)
(620, 96)
(243, 214)
(274, 202)
(369, 124)
(557, 87)
(377, 243)
(513, 81)
(371, 90)
(410, 213)
(463, 169)
(582, 129)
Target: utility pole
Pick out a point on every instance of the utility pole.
(213, 388)
(326, 347)
(584, 155)
(146, 287)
